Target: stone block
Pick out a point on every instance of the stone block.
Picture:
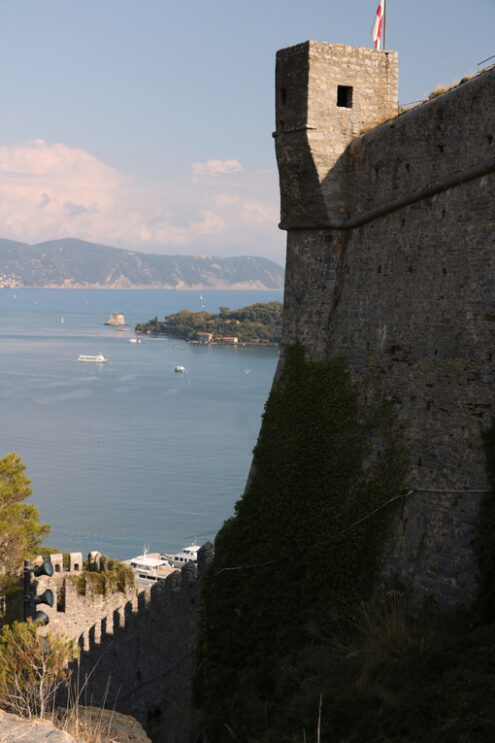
(57, 561)
(75, 561)
(95, 561)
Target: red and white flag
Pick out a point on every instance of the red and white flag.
(377, 28)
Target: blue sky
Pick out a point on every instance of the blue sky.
(146, 124)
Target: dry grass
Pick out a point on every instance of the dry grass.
(438, 91)
(92, 724)
(386, 640)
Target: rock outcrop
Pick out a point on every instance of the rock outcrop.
(113, 727)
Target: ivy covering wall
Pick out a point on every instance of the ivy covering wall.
(294, 561)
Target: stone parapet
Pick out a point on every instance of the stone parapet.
(139, 659)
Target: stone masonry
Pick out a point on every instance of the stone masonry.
(135, 650)
(390, 264)
(327, 95)
(73, 613)
(139, 660)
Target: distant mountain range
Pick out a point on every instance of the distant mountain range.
(76, 264)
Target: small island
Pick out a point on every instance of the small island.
(259, 324)
(116, 319)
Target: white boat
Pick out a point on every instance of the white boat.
(150, 568)
(134, 340)
(187, 554)
(180, 369)
(97, 359)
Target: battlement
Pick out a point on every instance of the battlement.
(78, 601)
(138, 658)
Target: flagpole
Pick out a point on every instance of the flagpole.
(384, 23)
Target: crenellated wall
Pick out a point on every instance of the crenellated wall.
(401, 284)
(73, 613)
(73, 610)
(139, 659)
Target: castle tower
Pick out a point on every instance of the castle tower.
(390, 265)
(326, 95)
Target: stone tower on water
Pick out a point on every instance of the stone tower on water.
(390, 265)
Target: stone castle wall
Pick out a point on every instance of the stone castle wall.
(74, 613)
(135, 649)
(139, 659)
(400, 283)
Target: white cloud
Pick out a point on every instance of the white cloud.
(225, 199)
(216, 167)
(261, 211)
(49, 191)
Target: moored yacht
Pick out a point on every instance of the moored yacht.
(96, 358)
(185, 555)
(149, 568)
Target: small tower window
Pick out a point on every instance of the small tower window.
(283, 96)
(344, 96)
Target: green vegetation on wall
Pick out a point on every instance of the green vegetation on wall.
(113, 576)
(294, 560)
(261, 322)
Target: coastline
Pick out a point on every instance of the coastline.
(255, 344)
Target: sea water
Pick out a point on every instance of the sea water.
(128, 453)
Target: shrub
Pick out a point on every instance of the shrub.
(79, 581)
(32, 668)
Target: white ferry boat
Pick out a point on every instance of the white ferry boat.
(134, 340)
(150, 568)
(96, 359)
(180, 369)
